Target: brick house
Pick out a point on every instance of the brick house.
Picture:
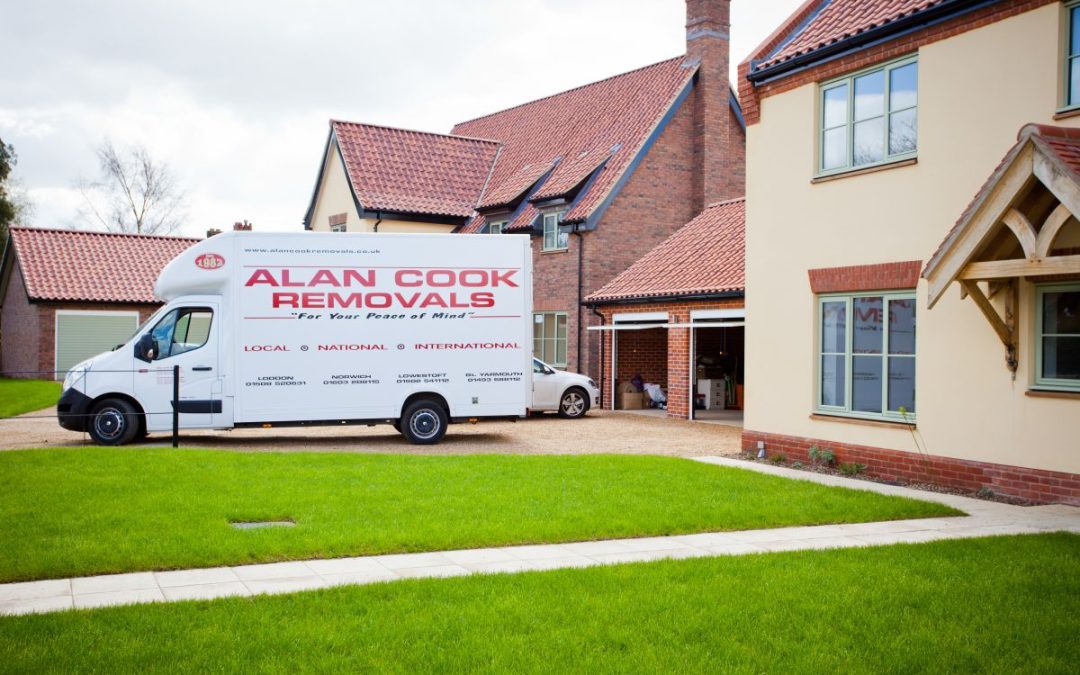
(675, 317)
(67, 295)
(597, 175)
(893, 318)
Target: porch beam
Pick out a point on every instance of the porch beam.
(989, 312)
(1023, 229)
(1053, 224)
(1006, 269)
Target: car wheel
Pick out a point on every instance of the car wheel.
(424, 422)
(574, 403)
(113, 421)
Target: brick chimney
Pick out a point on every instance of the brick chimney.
(242, 227)
(719, 143)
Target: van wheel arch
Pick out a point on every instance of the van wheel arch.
(424, 418)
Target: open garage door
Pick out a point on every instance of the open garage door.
(717, 363)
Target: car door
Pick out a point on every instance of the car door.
(186, 337)
(545, 387)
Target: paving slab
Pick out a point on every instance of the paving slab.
(114, 598)
(140, 581)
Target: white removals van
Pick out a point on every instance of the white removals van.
(415, 330)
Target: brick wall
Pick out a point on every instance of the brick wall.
(645, 353)
(20, 337)
(750, 96)
(1034, 485)
(678, 347)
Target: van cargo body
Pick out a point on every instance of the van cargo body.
(414, 330)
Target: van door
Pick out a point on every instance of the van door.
(187, 336)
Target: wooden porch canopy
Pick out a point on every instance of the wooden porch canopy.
(1015, 227)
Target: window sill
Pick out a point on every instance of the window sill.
(1066, 113)
(861, 172)
(843, 419)
(555, 250)
(1052, 393)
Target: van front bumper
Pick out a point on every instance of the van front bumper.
(72, 410)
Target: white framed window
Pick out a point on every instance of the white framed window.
(1072, 55)
(1057, 336)
(549, 337)
(869, 118)
(556, 236)
(866, 355)
(496, 228)
(338, 228)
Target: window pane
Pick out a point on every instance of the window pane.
(1061, 313)
(902, 384)
(563, 234)
(834, 154)
(903, 132)
(833, 327)
(835, 107)
(1074, 31)
(903, 87)
(1061, 358)
(1074, 81)
(869, 325)
(870, 95)
(869, 141)
(866, 384)
(538, 349)
(549, 326)
(902, 327)
(832, 381)
(538, 327)
(560, 352)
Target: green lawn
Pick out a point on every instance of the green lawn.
(1005, 604)
(23, 396)
(98, 510)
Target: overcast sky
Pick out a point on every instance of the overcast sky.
(235, 94)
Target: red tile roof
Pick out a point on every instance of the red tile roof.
(413, 171)
(70, 265)
(515, 186)
(580, 128)
(707, 255)
(840, 19)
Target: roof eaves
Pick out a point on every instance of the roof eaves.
(318, 179)
(885, 32)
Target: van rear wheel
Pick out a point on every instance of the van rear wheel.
(113, 421)
(424, 422)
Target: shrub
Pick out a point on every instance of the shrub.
(778, 458)
(824, 457)
(851, 468)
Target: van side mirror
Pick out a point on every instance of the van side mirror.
(146, 348)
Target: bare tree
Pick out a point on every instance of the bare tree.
(134, 193)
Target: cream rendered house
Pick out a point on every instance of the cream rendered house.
(381, 179)
(913, 299)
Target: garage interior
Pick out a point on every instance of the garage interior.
(641, 354)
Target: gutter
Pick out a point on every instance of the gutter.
(720, 295)
(883, 33)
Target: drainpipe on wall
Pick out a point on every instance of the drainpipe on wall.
(580, 255)
(603, 383)
(378, 219)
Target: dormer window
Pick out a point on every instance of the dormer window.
(496, 227)
(556, 236)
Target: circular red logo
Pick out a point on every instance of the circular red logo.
(209, 261)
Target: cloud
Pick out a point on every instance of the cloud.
(236, 95)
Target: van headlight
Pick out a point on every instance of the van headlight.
(73, 376)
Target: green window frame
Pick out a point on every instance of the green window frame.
(556, 237)
(866, 355)
(1071, 70)
(869, 118)
(549, 337)
(1057, 337)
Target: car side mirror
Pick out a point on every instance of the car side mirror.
(146, 348)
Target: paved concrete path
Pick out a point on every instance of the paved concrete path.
(984, 519)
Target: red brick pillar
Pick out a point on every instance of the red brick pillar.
(678, 392)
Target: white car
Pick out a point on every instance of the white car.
(569, 394)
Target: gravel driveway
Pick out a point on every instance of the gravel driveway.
(598, 432)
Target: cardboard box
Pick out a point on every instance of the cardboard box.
(631, 400)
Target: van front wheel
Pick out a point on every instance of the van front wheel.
(424, 422)
(113, 421)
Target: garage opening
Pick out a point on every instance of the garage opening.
(639, 361)
(717, 349)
